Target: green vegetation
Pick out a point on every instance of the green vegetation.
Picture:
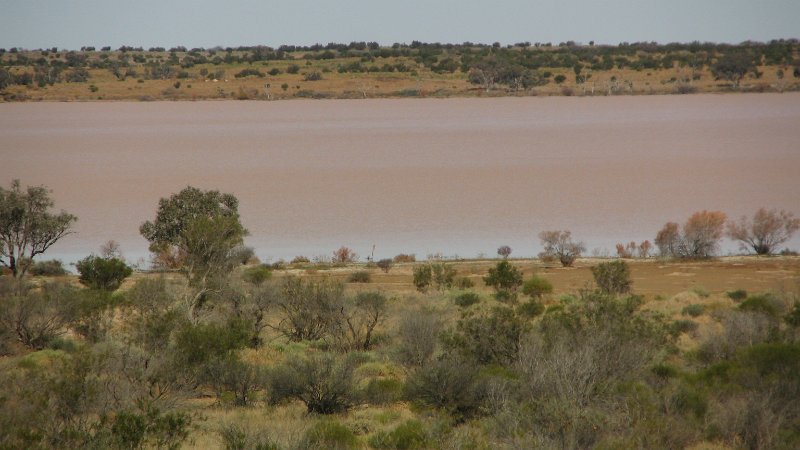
(417, 69)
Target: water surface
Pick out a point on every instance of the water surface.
(454, 176)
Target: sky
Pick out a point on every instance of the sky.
(71, 24)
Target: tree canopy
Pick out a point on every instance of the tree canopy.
(27, 227)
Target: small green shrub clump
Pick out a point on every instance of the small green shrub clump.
(330, 434)
(257, 275)
(505, 279)
(765, 303)
(613, 277)
(383, 391)
(467, 299)
(693, 310)
(423, 275)
(51, 268)
(530, 309)
(407, 436)
(536, 287)
(102, 273)
(737, 295)
(683, 326)
(362, 276)
(701, 292)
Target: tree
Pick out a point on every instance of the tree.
(201, 230)
(765, 232)
(504, 251)
(344, 255)
(733, 67)
(668, 240)
(505, 279)
(27, 227)
(699, 237)
(559, 244)
(702, 232)
(176, 212)
(102, 273)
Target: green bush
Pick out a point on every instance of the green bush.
(293, 69)
(505, 279)
(693, 310)
(490, 337)
(257, 275)
(329, 434)
(422, 277)
(467, 299)
(612, 277)
(361, 276)
(449, 384)
(51, 268)
(382, 391)
(737, 295)
(408, 435)
(443, 275)
(324, 383)
(102, 273)
(766, 303)
(536, 287)
(683, 326)
(530, 308)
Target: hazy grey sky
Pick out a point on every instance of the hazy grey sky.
(203, 23)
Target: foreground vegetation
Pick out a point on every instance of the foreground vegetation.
(362, 70)
(216, 350)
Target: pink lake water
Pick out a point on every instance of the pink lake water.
(454, 176)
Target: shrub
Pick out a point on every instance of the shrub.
(737, 295)
(489, 337)
(423, 276)
(612, 277)
(464, 283)
(766, 303)
(324, 383)
(701, 292)
(382, 391)
(504, 278)
(559, 244)
(249, 73)
(308, 307)
(300, 260)
(467, 299)
(293, 69)
(404, 258)
(257, 275)
(407, 436)
(504, 251)
(37, 317)
(52, 268)
(361, 276)
(102, 273)
(693, 310)
(384, 264)
(329, 434)
(530, 309)
(449, 384)
(417, 335)
(443, 275)
(536, 287)
(312, 76)
(683, 326)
